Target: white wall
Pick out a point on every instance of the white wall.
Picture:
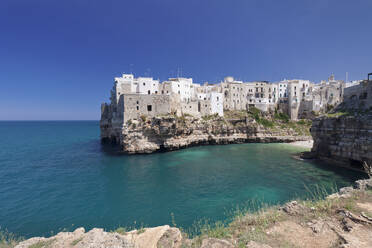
(216, 103)
(182, 87)
(147, 86)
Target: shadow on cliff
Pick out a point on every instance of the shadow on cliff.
(111, 149)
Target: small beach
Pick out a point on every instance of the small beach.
(305, 143)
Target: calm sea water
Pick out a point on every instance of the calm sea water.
(56, 175)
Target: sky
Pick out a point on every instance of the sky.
(58, 59)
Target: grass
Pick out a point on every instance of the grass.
(8, 239)
(281, 116)
(235, 114)
(121, 230)
(42, 244)
(141, 230)
(337, 114)
(252, 221)
(265, 122)
(76, 241)
(209, 117)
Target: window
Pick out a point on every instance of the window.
(144, 84)
(162, 91)
(156, 92)
(178, 92)
(137, 102)
(148, 92)
(137, 108)
(149, 107)
(218, 98)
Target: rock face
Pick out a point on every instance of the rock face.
(172, 133)
(345, 139)
(161, 236)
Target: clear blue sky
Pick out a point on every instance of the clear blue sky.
(58, 58)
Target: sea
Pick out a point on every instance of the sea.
(56, 175)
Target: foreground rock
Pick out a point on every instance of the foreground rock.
(168, 133)
(162, 236)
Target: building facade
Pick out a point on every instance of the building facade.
(133, 97)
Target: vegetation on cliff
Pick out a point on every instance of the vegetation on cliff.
(271, 120)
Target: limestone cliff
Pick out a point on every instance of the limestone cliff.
(171, 132)
(345, 134)
(345, 138)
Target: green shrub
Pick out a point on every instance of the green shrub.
(282, 117)
(265, 122)
(42, 244)
(304, 122)
(255, 112)
(209, 117)
(8, 240)
(121, 230)
(76, 241)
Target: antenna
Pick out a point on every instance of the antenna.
(347, 77)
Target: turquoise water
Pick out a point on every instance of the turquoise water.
(56, 175)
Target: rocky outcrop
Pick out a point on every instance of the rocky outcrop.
(172, 133)
(161, 236)
(346, 139)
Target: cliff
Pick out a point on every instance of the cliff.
(166, 133)
(343, 137)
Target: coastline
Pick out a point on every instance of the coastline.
(303, 143)
(342, 219)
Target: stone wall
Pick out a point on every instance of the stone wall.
(136, 105)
